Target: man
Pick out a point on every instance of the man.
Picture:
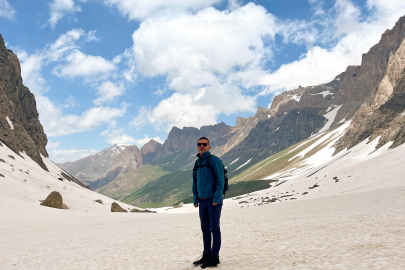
(208, 185)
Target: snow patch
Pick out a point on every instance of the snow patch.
(330, 116)
(243, 164)
(324, 93)
(296, 97)
(234, 161)
(10, 123)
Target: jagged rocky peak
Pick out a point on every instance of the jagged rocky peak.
(380, 96)
(20, 128)
(180, 138)
(91, 168)
(131, 157)
(213, 132)
(150, 150)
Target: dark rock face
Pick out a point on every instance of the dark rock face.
(17, 103)
(115, 207)
(188, 136)
(53, 200)
(150, 150)
(275, 134)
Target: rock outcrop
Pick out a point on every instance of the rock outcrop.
(20, 128)
(150, 151)
(53, 200)
(115, 207)
(381, 98)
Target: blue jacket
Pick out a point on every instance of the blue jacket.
(204, 184)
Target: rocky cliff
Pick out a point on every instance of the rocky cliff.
(378, 93)
(20, 128)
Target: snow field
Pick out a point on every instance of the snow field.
(362, 230)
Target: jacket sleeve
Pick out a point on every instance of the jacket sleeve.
(195, 192)
(218, 168)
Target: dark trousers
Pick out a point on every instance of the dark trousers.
(209, 217)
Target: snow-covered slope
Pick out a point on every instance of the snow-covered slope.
(25, 181)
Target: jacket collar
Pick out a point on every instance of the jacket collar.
(204, 155)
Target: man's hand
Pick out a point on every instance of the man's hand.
(196, 205)
(214, 203)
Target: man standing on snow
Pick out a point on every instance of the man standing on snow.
(208, 185)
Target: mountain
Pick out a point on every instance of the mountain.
(93, 167)
(367, 100)
(129, 159)
(20, 129)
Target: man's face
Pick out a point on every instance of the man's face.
(204, 146)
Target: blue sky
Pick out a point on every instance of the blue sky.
(125, 71)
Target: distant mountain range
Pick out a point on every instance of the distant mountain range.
(367, 100)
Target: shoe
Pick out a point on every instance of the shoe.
(205, 258)
(213, 261)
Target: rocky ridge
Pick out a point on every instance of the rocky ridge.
(20, 128)
(381, 112)
(93, 167)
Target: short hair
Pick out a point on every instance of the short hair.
(204, 138)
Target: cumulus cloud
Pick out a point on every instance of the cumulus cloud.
(79, 64)
(65, 155)
(205, 58)
(107, 91)
(352, 35)
(141, 9)
(6, 10)
(57, 124)
(66, 50)
(60, 8)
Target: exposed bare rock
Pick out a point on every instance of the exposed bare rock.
(93, 167)
(241, 130)
(188, 136)
(150, 150)
(380, 114)
(20, 128)
(64, 206)
(115, 207)
(99, 201)
(53, 200)
(129, 159)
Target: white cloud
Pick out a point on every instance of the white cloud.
(6, 10)
(57, 124)
(82, 65)
(59, 8)
(146, 139)
(51, 116)
(65, 155)
(52, 145)
(107, 91)
(354, 36)
(140, 9)
(121, 139)
(71, 102)
(205, 58)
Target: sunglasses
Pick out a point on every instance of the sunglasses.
(202, 144)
